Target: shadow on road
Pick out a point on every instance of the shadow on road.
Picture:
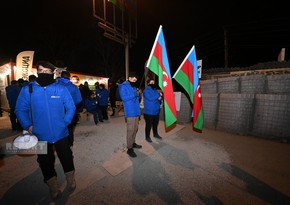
(257, 187)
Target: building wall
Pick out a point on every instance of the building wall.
(210, 104)
(256, 105)
(272, 116)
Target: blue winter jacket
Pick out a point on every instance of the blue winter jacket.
(151, 101)
(52, 111)
(91, 104)
(73, 89)
(130, 99)
(12, 92)
(102, 97)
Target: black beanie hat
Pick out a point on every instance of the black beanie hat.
(133, 74)
(45, 64)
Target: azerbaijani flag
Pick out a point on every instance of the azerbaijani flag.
(187, 76)
(158, 64)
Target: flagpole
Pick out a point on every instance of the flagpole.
(155, 42)
(142, 79)
(183, 61)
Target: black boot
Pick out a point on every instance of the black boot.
(148, 139)
(131, 153)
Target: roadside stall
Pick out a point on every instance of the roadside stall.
(81, 78)
(6, 75)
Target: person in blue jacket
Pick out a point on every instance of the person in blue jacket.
(103, 100)
(131, 96)
(12, 92)
(77, 98)
(45, 108)
(91, 106)
(152, 100)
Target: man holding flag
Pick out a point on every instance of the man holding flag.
(131, 97)
(187, 76)
(158, 64)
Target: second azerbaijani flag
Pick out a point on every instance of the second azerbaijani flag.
(187, 76)
(158, 64)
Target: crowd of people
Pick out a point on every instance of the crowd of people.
(50, 109)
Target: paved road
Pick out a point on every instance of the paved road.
(185, 167)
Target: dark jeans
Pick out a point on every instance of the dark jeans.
(14, 121)
(151, 122)
(47, 161)
(104, 111)
(96, 115)
(113, 103)
(71, 128)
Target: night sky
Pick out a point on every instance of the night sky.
(66, 33)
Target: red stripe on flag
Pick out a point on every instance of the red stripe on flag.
(187, 68)
(197, 103)
(167, 84)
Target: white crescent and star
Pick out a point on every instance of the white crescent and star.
(198, 90)
(164, 80)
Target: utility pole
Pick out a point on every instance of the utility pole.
(123, 32)
(127, 56)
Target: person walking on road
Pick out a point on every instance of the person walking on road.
(103, 100)
(85, 90)
(45, 109)
(130, 96)
(91, 106)
(77, 98)
(12, 92)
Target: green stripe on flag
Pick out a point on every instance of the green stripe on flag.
(199, 123)
(169, 116)
(184, 81)
(154, 66)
